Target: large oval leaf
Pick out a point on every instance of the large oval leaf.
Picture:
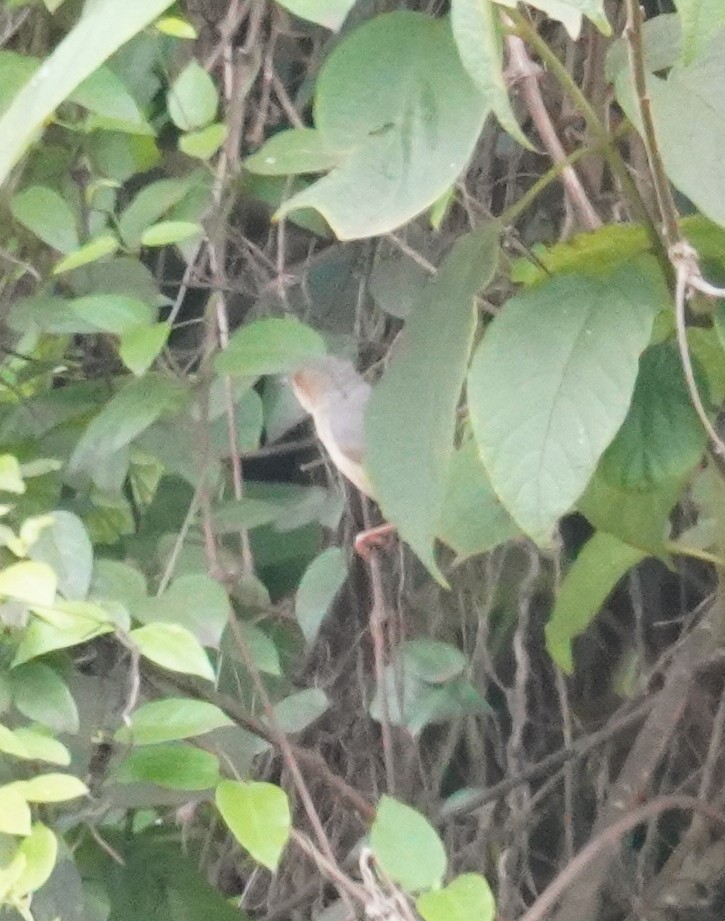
(407, 846)
(551, 384)
(406, 145)
(258, 816)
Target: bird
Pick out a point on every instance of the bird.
(336, 397)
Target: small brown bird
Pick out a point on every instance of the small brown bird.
(336, 396)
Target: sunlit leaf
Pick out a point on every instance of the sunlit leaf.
(407, 846)
(270, 346)
(51, 788)
(466, 898)
(176, 766)
(192, 99)
(258, 816)
(48, 215)
(173, 647)
(171, 719)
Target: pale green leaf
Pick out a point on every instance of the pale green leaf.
(269, 346)
(297, 150)
(407, 846)
(166, 232)
(258, 815)
(204, 143)
(29, 582)
(405, 146)
(176, 27)
(192, 100)
(173, 647)
(171, 719)
(15, 818)
(10, 744)
(51, 788)
(90, 252)
(59, 629)
(319, 586)
(39, 746)
(46, 214)
(66, 547)
(104, 93)
(140, 347)
(592, 577)
(411, 418)
(106, 26)
(551, 383)
(11, 479)
(296, 712)
(701, 20)
(40, 850)
(148, 205)
(466, 898)
(194, 601)
(570, 12)
(433, 661)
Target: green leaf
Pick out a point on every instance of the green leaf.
(68, 624)
(258, 816)
(433, 661)
(10, 744)
(106, 95)
(551, 384)
(262, 649)
(66, 547)
(42, 747)
(297, 150)
(662, 437)
(140, 347)
(328, 13)
(41, 694)
(11, 479)
(90, 252)
(15, 818)
(194, 601)
(173, 647)
(407, 847)
(178, 767)
(176, 27)
(477, 30)
(205, 143)
(171, 719)
(269, 346)
(466, 898)
(94, 38)
(166, 232)
(473, 520)
(408, 461)
(29, 582)
(51, 788)
(46, 214)
(701, 21)
(40, 850)
(296, 712)
(569, 13)
(405, 146)
(594, 574)
(192, 100)
(320, 584)
(153, 201)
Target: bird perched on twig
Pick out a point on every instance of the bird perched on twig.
(336, 396)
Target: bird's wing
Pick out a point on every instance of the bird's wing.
(347, 419)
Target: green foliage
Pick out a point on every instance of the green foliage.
(407, 846)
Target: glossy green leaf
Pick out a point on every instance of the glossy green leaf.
(51, 788)
(407, 846)
(176, 27)
(297, 150)
(592, 577)
(662, 437)
(258, 816)
(298, 711)
(408, 462)
(269, 346)
(15, 818)
(166, 232)
(40, 850)
(41, 694)
(472, 520)
(66, 547)
(90, 252)
(173, 647)
(94, 38)
(328, 13)
(701, 21)
(48, 215)
(194, 601)
(192, 100)
(551, 383)
(205, 143)
(477, 30)
(320, 584)
(140, 347)
(171, 719)
(176, 766)
(405, 146)
(466, 898)
(29, 582)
